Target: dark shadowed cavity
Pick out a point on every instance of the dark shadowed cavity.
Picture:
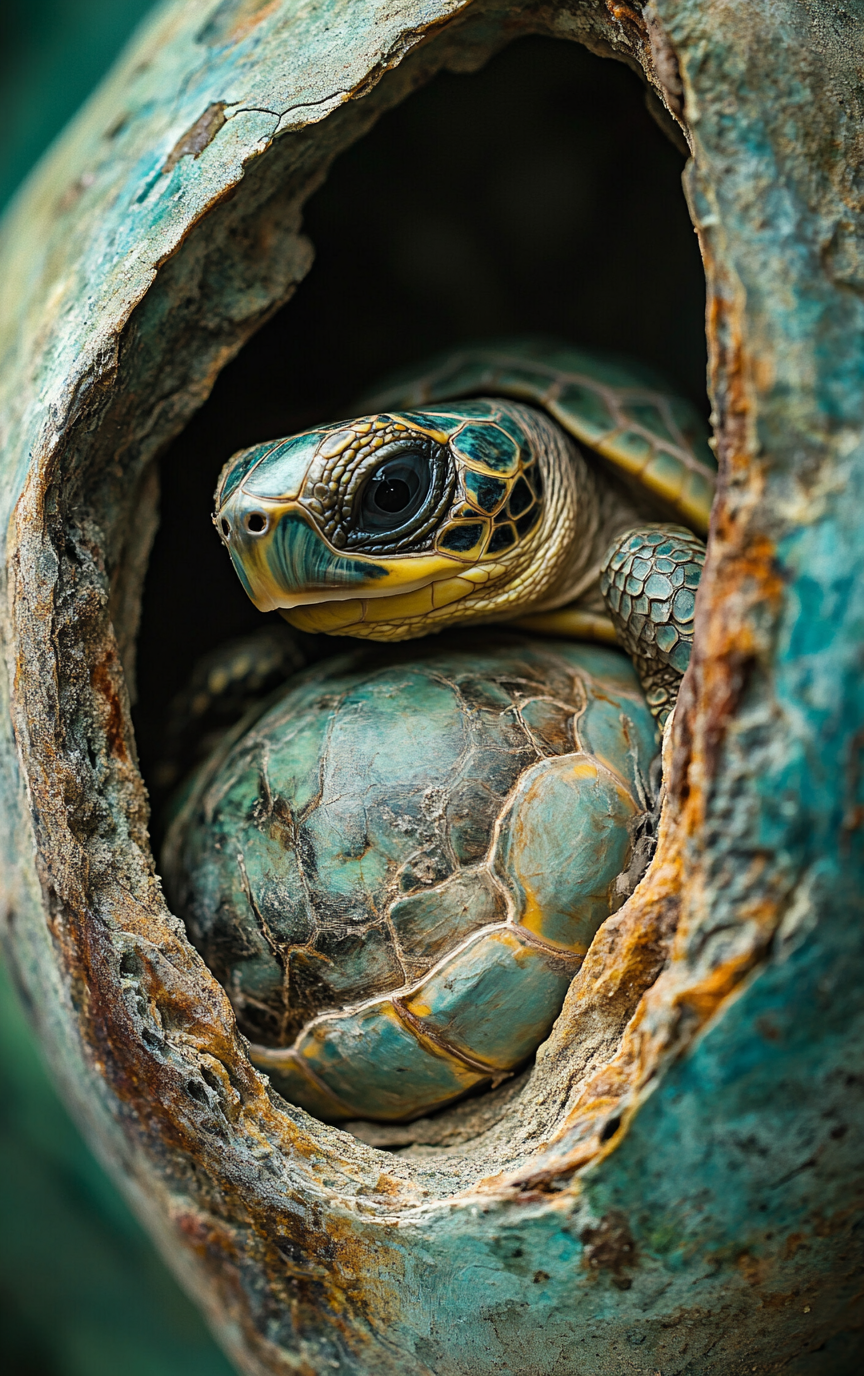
(537, 195)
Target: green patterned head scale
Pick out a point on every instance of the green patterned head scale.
(462, 496)
(376, 868)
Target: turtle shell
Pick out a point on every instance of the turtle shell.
(623, 412)
(396, 869)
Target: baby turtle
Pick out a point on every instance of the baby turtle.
(397, 866)
(454, 501)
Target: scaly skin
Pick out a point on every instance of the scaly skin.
(378, 872)
(502, 518)
(649, 580)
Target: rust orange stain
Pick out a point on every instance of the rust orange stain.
(104, 677)
(666, 1011)
(625, 14)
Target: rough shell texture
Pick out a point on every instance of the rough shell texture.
(680, 1176)
(650, 435)
(427, 841)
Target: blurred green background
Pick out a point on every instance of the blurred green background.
(82, 1293)
(52, 53)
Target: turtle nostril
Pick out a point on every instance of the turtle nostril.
(225, 527)
(256, 523)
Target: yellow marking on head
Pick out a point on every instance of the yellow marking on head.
(439, 436)
(483, 573)
(347, 590)
(334, 444)
(328, 617)
(408, 604)
(403, 573)
(332, 616)
(450, 590)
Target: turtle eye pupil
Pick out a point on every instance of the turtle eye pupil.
(391, 494)
(226, 529)
(394, 492)
(256, 522)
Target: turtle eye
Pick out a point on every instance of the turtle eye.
(394, 492)
(256, 523)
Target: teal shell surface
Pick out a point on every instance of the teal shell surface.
(618, 408)
(396, 869)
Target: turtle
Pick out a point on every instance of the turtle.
(524, 480)
(396, 863)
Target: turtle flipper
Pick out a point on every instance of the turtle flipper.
(648, 580)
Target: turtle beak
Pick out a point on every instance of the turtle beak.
(282, 559)
(280, 556)
(266, 518)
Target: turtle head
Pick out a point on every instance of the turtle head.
(391, 525)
